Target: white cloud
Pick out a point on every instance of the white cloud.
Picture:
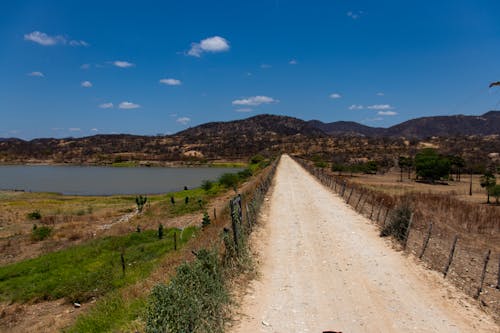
(47, 40)
(86, 84)
(128, 105)
(78, 43)
(293, 62)
(356, 107)
(122, 64)
(212, 44)
(74, 129)
(94, 130)
(85, 66)
(255, 101)
(244, 110)
(380, 94)
(265, 66)
(106, 105)
(44, 39)
(380, 107)
(387, 113)
(335, 96)
(354, 15)
(183, 120)
(39, 74)
(171, 82)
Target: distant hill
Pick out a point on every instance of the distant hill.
(256, 126)
(420, 128)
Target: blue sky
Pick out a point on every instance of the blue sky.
(77, 68)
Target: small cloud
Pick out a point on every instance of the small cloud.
(128, 105)
(78, 43)
(38, 74)
(44, 39)
(265, 66)
(373, 119)
(293, 62)
(212, 45)
(380, 107)
(106, 105)
(387, 113)
(94, 130)
(183, 120)
(355, 15)
(74, 129)
(380, 94)
(255, 101)
(335, 96)
(244, 110)
(122, 64)
(86, 84)
(171, 82)
(356, 107)
(85, 66)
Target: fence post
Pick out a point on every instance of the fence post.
(359, 200)
(498, 278)
(175, 240)
(379, 210)
(373, 207)
(408, 232)
(386, 215)
(483, 275)
(215, 214)
(426, 241)
(234, 225)
(450, 257)
(350, 194)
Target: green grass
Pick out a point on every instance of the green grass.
(84, 271)
(110, 313)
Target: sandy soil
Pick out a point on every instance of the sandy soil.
(324, 268)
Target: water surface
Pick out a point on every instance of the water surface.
(91, 180)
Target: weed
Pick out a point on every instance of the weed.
(40, 233)
(35, 215)
(398, 224)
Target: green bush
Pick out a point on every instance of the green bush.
(256, 159)
(206, 220)
(207, 185)
(40, 233)
(244, 174)
(195, 300)
(399, 222)
(35, 215)
(229, 180)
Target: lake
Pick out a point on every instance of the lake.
(91, 180)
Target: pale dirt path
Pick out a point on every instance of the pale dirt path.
(324, 267)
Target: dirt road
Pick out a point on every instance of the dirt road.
(324, 267)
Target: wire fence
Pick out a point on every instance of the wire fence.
(462, 251)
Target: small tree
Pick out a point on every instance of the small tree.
(172, 200)
(186, 200)
(495, 192)
(207, 185)
(206, 220)
(140, 201)
(488, 181)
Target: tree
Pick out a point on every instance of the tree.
(488, 181)
(495, 191)
(405, 163)
(457, 164)
(431, 166)
(140, 201)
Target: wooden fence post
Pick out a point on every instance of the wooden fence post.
(483, 275)
(426, 241)
(350, 194)
(215, 214)
(122, 258)
(371, 213)
(234, 225)
(359, 200)
(380, 209)
(386, 215)
(175, 240)
(498, 277)
(407, 236)
(450, 257)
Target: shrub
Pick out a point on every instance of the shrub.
(229, 180)
(256, 159)
(35, 215)
(140, 201)
(206, 220)
(195, 300)
(160, 231)
(244, 174)
(40, 233)
(207, 185)
(399, 222)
